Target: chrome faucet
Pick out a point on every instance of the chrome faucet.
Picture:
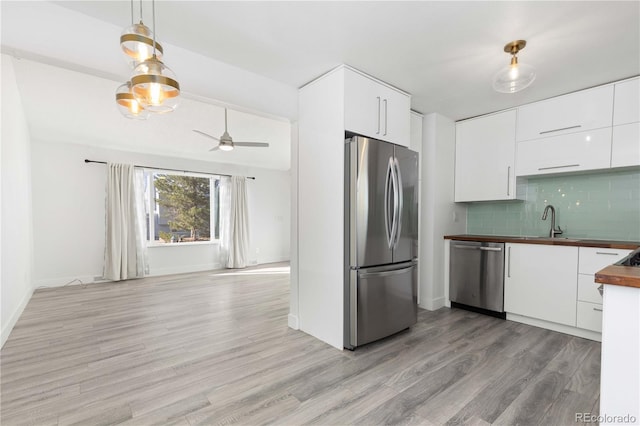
(553, 231)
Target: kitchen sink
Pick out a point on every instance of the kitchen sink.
(570, 240)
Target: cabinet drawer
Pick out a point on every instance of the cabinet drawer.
(626, 108)
(568, 153)
(575, 112)
(592, 259)
(588, 289)
(589, 316)
(625, 145)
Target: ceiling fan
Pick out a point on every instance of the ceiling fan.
(226, 143)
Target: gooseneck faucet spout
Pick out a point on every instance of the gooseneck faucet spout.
(553, 231)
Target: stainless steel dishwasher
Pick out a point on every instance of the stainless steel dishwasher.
(476, 276)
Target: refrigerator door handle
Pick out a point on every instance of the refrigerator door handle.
(394, 222)
(400, 202)
(386, 273)
(387, 201)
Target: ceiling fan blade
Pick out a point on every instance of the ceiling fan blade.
(257, 144)
(215, 148)
(206, 134)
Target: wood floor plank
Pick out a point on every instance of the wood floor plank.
(214, 348)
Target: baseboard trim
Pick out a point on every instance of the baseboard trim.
(65, 281)
(8, 327)
(433, 304)
(292, 321)
(561, 328)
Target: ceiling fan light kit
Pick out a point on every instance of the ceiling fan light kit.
(516, 76)
(153, 87)
(226, 143)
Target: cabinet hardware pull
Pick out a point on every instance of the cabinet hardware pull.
(508, 179)
(509, 263)
(608, 254)
(378, 132)
(597, 309)
(558, 167)
(601, 289)
(560, 129)
(385, 117)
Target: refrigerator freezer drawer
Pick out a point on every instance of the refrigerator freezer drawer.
(383, 301)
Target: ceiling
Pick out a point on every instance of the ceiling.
(254, 55)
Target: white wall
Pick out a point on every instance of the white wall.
(440, 215)
(68, 218)
(16, 229)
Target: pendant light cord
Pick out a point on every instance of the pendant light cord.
(131, 12)
(140, 10)
(153, 12)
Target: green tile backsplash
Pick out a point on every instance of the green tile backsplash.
(598, 206)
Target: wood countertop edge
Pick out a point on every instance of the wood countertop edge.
(620, 245)
(626, 276)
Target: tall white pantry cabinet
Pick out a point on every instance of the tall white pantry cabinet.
(342, 100)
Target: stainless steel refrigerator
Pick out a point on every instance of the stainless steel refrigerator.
(381, 240)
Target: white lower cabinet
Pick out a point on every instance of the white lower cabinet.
(541, 282)
(589, 302)
(589, 316)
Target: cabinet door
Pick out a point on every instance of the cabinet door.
(395, 116)
(625, 145)
(376, 110)
(575, 112)
(626, 107)
(485, 150)
(362, 105)
(568, 153)
(541, 282)
(415, 139)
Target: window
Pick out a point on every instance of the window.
(182, 207)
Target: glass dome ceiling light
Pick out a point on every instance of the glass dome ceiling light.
(516, 76)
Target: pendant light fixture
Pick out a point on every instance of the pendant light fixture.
(153, 84)
(136, 41)
(516, 76)
(128, 105)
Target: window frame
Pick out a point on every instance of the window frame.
(150, 195)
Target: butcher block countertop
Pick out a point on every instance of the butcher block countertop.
(627, 276)
(558, 241)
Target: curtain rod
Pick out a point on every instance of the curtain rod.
(169, 170)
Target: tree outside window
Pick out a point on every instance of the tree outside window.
(182, 208)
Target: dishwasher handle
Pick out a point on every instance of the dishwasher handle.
(477, 248)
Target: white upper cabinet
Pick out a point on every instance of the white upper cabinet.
(626, 107)
(375, 109)
(575, 112)
(415, 143)
(589, 150)
(485, 155)
(625, 146)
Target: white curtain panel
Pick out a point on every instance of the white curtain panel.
(234, 222)
(125, 255)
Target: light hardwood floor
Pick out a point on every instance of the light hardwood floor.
(214, 348)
